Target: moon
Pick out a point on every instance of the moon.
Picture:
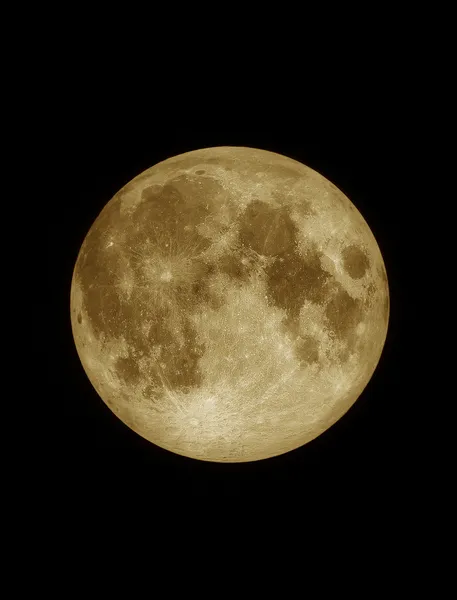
(229, 304)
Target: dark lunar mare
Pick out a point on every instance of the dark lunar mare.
(167, 217)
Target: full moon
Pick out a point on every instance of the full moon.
(229, 304)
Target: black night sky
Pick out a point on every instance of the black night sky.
(365, 462)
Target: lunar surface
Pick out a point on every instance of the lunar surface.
(229, 304)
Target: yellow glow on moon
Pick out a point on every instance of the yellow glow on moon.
(229, 304)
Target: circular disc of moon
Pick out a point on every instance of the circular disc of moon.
(229, 304)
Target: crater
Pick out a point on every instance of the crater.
(355, 261)
(200, 172)
(149, 391)
(266, 230)
(79, 318)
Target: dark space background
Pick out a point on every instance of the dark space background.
(363, 470)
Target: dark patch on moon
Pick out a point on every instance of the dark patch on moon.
(180, 370)
(231, 265)
(342, 313)
(314, 278)
(355, 261)
(101, 300)
(127, 369)
(200, 172)
(198, 291)
(169, 218)
(165, 198)
(282, 171)
(307, 349)
(80, 319)
(96, 270)
(165, 217)
(224, 161)
(197, 192)
(349, 345)
(292, 279)
(266, 230)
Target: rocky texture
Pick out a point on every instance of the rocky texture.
(229, 304)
